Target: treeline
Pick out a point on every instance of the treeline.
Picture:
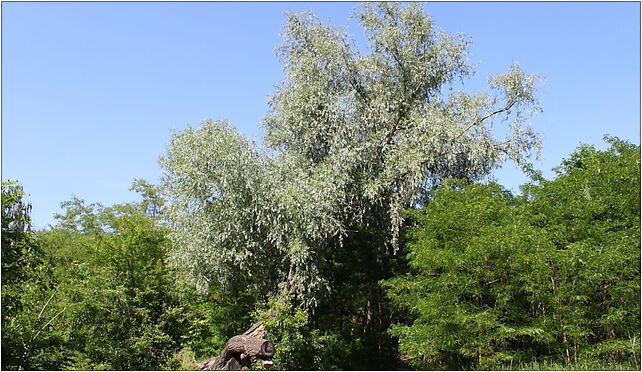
(94, 291)
(485, 280)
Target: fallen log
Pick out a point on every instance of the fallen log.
(239, 351)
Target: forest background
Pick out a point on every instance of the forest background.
(367, 236)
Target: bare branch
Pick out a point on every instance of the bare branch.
(496, 112)
(45, 326)
(47, 303)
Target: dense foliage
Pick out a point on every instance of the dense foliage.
(553, 274)
(352, 139)
(26, 288)
(94, 292)
(549, 279)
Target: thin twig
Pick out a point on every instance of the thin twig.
(45, 326)
(47, 303)
(477, 122)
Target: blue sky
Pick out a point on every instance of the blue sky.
(91, 91)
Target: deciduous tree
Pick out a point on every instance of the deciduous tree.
(353, 137)
(551, 275)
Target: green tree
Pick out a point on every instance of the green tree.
(21, 255)
(551, 275)
(591, 213)
(94, 291)
(123, 308)
(153, 202)
(352, 138)
(478, 273)
(29, 337)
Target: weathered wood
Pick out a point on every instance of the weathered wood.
(232, 365)
(250, 346)
(239, 350)
(257, 330)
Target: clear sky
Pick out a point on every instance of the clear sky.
(91, 91)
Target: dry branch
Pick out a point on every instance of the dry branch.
(239, 351)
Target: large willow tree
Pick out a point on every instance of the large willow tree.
(352, 138)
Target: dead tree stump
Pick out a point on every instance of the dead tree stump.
(239, 351)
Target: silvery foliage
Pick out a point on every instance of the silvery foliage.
(348, 134)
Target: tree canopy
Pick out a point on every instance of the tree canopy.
(552, 274)
(352, 138)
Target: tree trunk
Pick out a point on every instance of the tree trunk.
(239, 351)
